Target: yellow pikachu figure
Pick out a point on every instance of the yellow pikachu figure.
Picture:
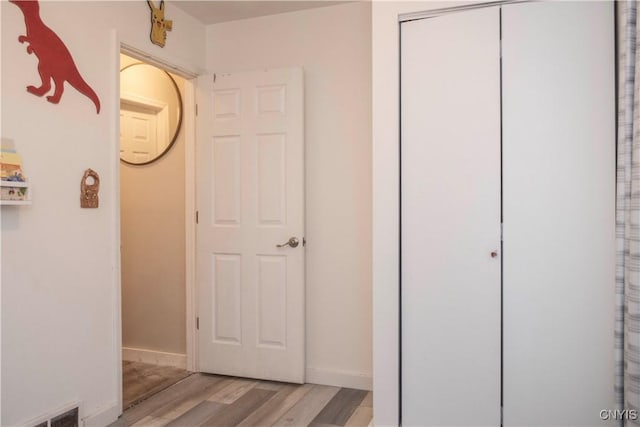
(159, 26)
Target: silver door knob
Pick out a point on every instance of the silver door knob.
(293, 242)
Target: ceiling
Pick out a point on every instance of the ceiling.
(216, 11)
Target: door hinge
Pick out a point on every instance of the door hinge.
(197, 217)
(501, 415)
(501, 231)
(196, 109)
(214, 77)
(197, 323)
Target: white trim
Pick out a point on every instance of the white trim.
(190, 207)
(103, 416)
(385, 215)
(404, 17)
(332, 377)
(142, 101)
(0, 262)
(115, 213)
(154, 357)
(154, 60)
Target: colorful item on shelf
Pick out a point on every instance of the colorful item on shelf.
(16, 177)
(10, 165)
(14, 188)
(13, 193)
(55, 60)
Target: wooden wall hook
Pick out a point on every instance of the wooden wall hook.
(89, 192)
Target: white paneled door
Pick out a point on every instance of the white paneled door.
(138, 135)
(250, 152)
(450, 212)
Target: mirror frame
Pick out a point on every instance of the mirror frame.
(178, 126)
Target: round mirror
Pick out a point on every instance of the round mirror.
(150, 113)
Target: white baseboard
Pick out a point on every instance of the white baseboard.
(103, 416)
(154, 357)
(349, 379)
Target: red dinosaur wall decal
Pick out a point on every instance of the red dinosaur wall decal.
(54, 59)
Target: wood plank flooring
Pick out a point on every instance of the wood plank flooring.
(141, 380)
(214, 400)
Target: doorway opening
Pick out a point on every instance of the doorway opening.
(154, 249)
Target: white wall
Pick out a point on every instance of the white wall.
(60, 263)
(332, 44)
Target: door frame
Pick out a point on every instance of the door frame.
(188, 123)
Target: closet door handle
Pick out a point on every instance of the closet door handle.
(494, 254)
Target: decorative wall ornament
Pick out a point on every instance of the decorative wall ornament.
(89, 190)
(54, 59)
(159, 25)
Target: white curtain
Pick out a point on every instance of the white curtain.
(627, 333)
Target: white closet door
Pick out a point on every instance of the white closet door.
(559, 194)
(450, 201)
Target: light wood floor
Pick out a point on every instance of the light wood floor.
(213, 400)
(142, 380)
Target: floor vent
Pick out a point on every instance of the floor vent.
(66, 419)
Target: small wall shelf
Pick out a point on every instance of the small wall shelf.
(16, 184)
